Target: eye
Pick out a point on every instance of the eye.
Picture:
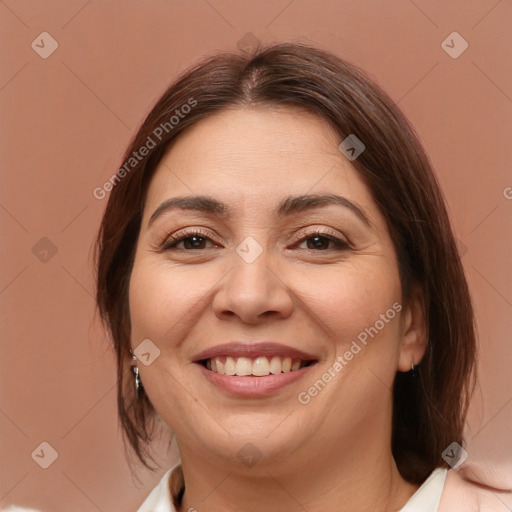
(321, 239)
(198, 240)
(191, 240)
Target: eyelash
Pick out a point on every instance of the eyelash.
(172, 241)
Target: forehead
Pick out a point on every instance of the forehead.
(254, 157)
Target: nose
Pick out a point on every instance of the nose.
(253, 292)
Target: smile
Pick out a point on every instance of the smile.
(261, 366)
(253, 370)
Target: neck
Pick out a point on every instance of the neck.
(359, 479)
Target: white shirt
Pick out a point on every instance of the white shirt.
(428, 496)
(159, 500)
(425, 499)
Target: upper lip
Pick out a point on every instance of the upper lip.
(252, 350)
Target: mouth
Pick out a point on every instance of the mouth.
(253, 370)
(261, 366)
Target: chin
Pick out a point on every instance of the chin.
(254, 448)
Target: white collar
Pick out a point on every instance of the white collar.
(159, 500)
(428, 496)
(425, 499)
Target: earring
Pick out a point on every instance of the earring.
(138, 384)
(414, 370)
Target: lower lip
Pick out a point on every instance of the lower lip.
(249, 386)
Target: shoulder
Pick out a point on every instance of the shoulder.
(477, 487)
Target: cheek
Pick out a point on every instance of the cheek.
(350, 298)
(360, 305)
(155, 300)
(158, 300)
(165, 300)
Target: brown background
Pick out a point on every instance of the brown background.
(65, 123)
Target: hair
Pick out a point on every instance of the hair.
(430, 407)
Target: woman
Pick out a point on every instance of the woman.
(280, 279)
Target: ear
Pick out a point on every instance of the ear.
(413, 342)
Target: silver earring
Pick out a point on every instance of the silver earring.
(137, 379)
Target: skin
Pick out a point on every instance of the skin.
(336, 448)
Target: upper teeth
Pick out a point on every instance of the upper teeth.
(260, 367)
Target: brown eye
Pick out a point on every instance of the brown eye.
(320, 241)
(191, 241)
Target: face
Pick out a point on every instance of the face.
(299, 297)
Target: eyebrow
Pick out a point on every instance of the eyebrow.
(289, 206)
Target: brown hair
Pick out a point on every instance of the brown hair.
(429, 408)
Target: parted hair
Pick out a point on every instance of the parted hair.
(429, 409)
